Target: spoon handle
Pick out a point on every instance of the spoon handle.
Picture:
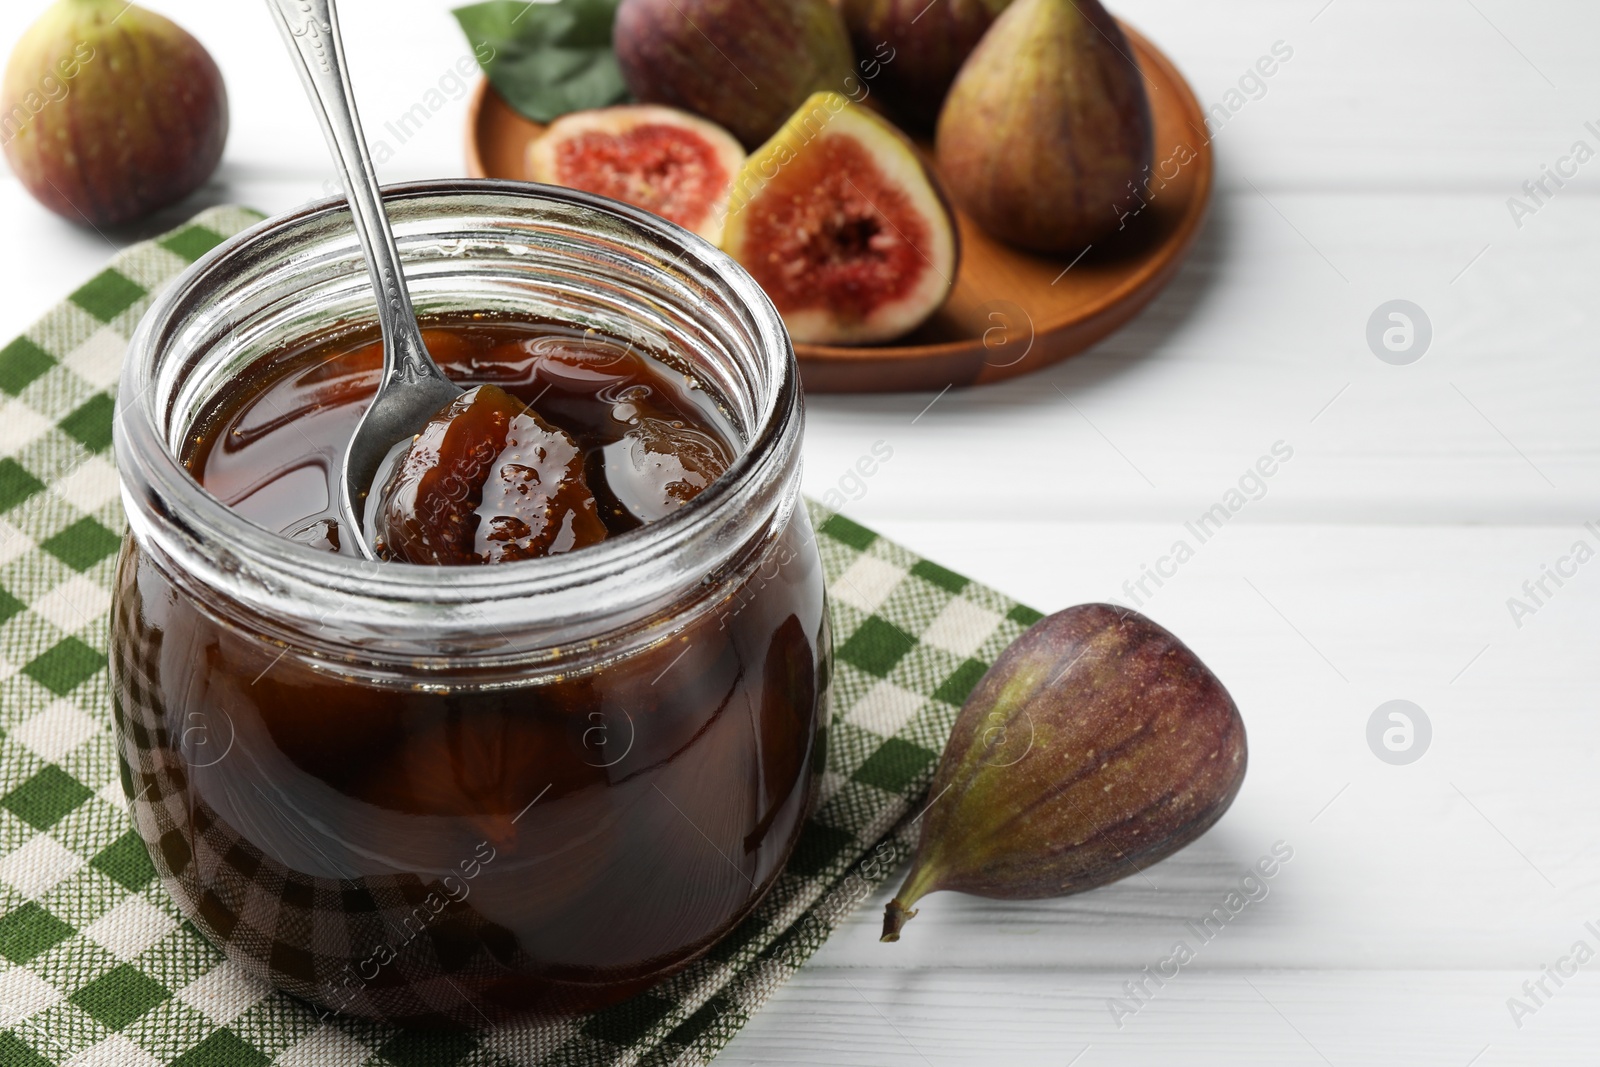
(311, 30)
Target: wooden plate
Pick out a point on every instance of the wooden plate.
(1010, 312)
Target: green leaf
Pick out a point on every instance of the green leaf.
(546, 59)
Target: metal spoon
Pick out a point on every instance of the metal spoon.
(413, 387)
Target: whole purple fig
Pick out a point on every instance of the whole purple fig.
(110, 112)
(1096, 745)
(910, 50)
(1046, 135)
(744, 64)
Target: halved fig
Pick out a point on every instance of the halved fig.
(842, 224)
(658, 158)
(487, 481)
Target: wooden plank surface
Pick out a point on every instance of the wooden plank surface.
(1377, 563)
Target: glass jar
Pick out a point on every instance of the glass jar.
(444, 795)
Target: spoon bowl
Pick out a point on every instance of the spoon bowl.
(398, 411)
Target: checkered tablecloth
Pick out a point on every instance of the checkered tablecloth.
(98, 968)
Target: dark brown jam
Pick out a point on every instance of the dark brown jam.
(642, 439)
(426, 853)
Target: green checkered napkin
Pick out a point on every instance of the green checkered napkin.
(97, 967)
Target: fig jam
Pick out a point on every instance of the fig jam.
(649, 440)
(470, 845)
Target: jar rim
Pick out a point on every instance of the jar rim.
(170, 497)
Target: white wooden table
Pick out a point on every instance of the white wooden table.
(1376, 164)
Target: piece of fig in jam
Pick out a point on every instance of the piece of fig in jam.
(487, 481)
(660, 465)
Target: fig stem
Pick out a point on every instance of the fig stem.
(918, 884)
(895, 917)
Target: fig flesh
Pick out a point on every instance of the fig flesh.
(843, 226)
(1097, 744)
(109, 112)
(487, 481)
(911, 50)
(658, 158)
(1046, 133)
(743, 64)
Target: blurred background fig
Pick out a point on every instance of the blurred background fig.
(844, 227)
(743, 64)
(911, 50)
(658, 158)
(110, 112)
(1046, 133)
(1097, 744)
